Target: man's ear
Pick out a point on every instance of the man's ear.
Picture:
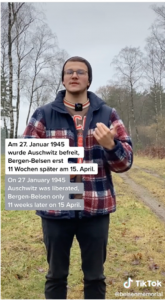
(63, 83)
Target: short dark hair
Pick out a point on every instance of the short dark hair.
(81, 59)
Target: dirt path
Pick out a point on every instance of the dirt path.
(152, 173)
(157, 207)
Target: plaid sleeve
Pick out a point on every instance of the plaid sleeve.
(120, 158)
(36, 127)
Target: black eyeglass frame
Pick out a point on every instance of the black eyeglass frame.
(78, 72)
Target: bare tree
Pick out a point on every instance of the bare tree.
(13, 10)
(16, 46)
(158, 28)
(44, 46)
(22, 50)
(128, 64)
(54, 75)
(52, 80)
(4, 69)
(154, 64)
(154, 67)
(160, 12)
(158, 34)
(118, 97)
(31, 60)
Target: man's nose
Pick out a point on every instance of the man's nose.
(74, 74)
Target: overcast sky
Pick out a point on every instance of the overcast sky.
(97, 31)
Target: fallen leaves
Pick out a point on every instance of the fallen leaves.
(137, 258)
(18, 276)
(153, 266)
(41, 270)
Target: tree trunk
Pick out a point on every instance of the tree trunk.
(120, 107)
(156, 116)
(133, 115)
(5, 126)
(30, 104)
(18, 98)
(160, 100)
(10, 72)
(129, 121)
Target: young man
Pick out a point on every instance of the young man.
(84, 119)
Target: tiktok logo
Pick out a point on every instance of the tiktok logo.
(127, 284)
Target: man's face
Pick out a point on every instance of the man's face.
(75, 82)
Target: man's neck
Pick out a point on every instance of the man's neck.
(76, 97)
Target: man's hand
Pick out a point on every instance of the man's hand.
(105, 136)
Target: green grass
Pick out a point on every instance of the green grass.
(136, 248)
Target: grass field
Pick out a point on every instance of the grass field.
(136, 246)
(151, 175)
(154, 165)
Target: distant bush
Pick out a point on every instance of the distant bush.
(153, 152)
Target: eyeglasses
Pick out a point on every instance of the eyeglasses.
(78, 72)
